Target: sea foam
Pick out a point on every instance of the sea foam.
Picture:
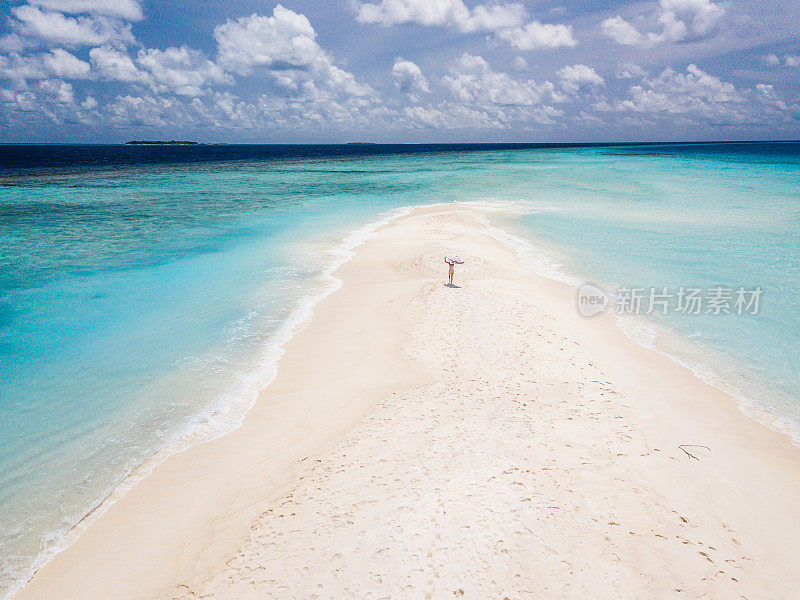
(640, 329)
(225, 414)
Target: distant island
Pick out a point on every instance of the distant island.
(161, 143)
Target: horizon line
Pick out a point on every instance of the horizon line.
(194, 143)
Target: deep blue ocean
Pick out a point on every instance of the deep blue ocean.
(145, 291)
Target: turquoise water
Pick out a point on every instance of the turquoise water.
(130, 303)
(142, 307)
(664, 217)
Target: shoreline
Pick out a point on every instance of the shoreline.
(403, 377)
(207, 425)
(755, 409)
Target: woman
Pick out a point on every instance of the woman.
(450, 263)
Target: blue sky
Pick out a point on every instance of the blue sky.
(398, 70)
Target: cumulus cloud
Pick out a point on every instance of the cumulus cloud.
(18, 101)
(677, 20)
(574, 76)
(145, 110)
(676, 92)
(114, 64)
(507, 21)
(448, 116)
(284, 46)
(182, 70)
(284, 41)
(767, 93)
(129, 10)
(58, 63)
(303, 87)
(471, 79)
(454, 116)
(630, 71)
(702, 15)
(498, 17)
(789, 60)
(409, 78)
(481, 99)
(34, 26)
(697, 97)
(425, 12)
(60, 90)
(61, 63)
(538, 35)
(293, 84)
(622, 32)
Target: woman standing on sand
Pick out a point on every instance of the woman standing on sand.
(450, 277)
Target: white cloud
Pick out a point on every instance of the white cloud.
(34, 26)
(767, 93)
(672, 29)
(146, 110)
(182, 70)
(498, 17)
(409, 78)
(273, 113)
(424, 116)
(59, 90)
(678, 20)
(286, 40)
(129, 10)
(18, 68)
(424, 12)
(61, 63)
(574, 76)
(442, 13)
(296, 85)
(675, 92)
(448, 116)
(539, 35)
(114, 64)
(622, 32)
(227, 109)
(701, 14)
(789, 60)
(694, 97)
(304, 90)
(284, 46)
(13, 42)
(472, 81)
(483, 99)
(58, 63)
(24, 101)
(507, 21)
(631, 71)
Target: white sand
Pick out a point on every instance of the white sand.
(481, 442)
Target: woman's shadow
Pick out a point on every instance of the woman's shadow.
(452, 285)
